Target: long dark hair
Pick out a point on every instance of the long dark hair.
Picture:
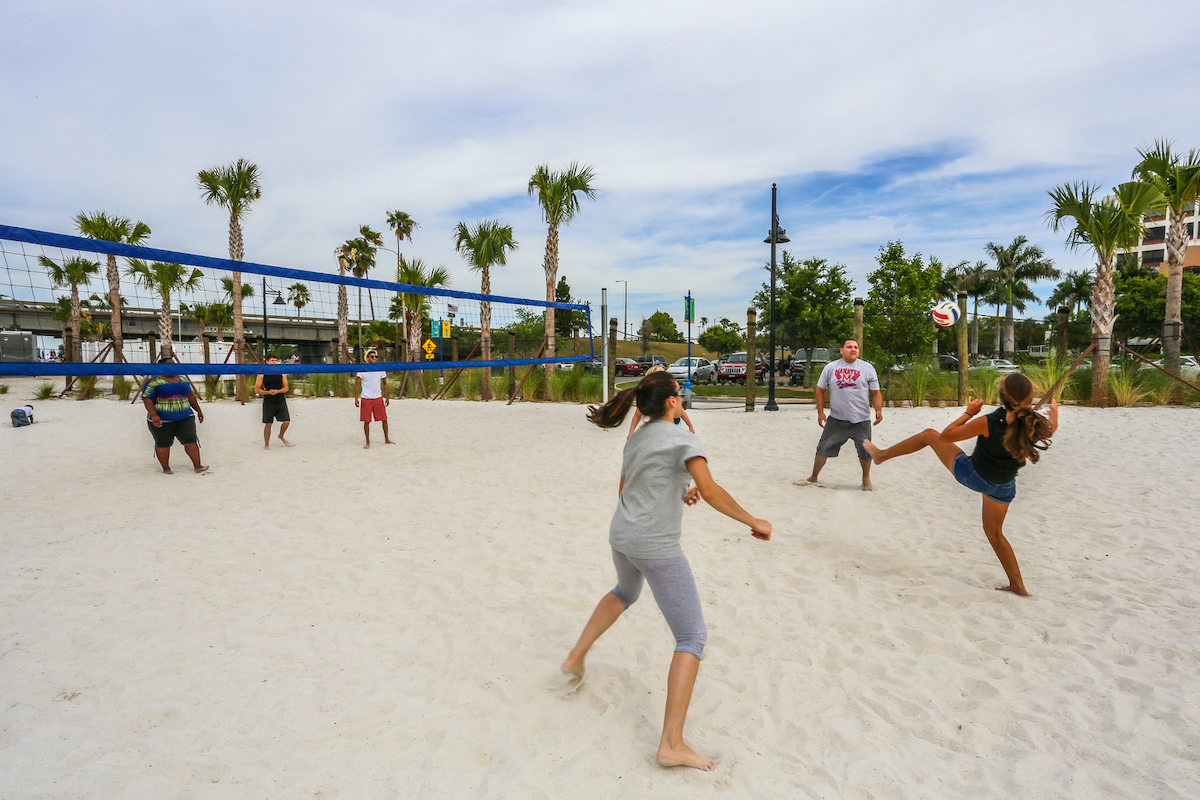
(651, 394)
(1029, 432)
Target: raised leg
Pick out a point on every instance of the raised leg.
(993, 525)
(605, 614)
(672, 752)
(945, 451)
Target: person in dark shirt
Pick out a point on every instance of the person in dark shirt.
(1004, 441)
(273, 389)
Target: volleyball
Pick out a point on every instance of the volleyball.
(945, 313)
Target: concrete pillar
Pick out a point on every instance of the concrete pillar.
(611, 377)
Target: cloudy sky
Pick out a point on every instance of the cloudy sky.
(942, 124)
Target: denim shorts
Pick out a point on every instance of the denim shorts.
(964, 473)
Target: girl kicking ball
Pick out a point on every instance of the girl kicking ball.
(659, 461)
(1004, 440)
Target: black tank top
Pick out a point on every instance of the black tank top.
(273, 382)
(991, 460)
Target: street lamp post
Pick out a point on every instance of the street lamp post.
(777, 235)
(279, 301)
(625, 321)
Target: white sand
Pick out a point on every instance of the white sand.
(323, 621)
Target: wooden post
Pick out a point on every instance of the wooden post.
(858, 325)
(751, 361)
(517, 388)
(964, 347)
(153, 347)
(611, 375)
(512, 353)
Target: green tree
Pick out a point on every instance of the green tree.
(104, 228)
(165, 279)
(1140, 309)
(896, 310)
(1074, 291)
(485, 246)
(558, 197)
(813, 304)
(404, 226)
(566, 320)
(662, 327)
(413, 307)
(1017, 261)
(299, 296)
(357, 256)
(1177, 178)
(72, 273)
(978, 281)
(233, 188)
(722, 338)
(1106, 227)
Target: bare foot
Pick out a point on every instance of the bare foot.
(873, 452)
(367, 446)
(811, 479)
(868, 486)
(201, 469)
(570, 667)
(684, 756)
(286, 443)
(1018, 591)
(167, 472)
(388, 441)
(266, 447)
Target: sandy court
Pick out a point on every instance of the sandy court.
(324, 621)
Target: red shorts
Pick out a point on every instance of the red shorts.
(372, 409)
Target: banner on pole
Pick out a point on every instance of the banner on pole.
(689, 309)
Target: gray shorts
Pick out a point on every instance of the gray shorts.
(838, 431)
(674, 590)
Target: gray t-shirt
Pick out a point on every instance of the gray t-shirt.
(649, 517)
(849, 387)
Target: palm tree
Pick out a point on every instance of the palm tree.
(1018, 261)
(403, 226)
(166, 279)
(1073, 291)
(978, 281)
(1106, 227)
(414, 308)
(1177, 177)
(72, 273)
(558, 195)
(299, 297)
(102, 227)
(484, 247)
(205, 315)
(233, 188)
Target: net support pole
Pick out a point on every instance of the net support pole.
(611, 374)
(1053, 389)
(963, 349)
(605, 356)
(751, 357)
(525, 377)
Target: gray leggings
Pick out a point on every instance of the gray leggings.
(675, 592)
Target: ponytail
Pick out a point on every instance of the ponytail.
(1029, 432)
(651, 394)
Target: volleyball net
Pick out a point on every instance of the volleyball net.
(182, 304)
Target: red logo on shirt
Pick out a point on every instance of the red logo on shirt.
(846, 378)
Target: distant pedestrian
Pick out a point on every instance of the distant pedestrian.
(172, 409)
(853, 387)
(374, 390)
(273, 389)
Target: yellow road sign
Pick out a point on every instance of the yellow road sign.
(430, 348)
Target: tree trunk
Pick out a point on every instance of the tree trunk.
(358, 344)
(485, 333)
(239, 338)
(1103, 301)
(975, 333)
(1176, 247)
(1010, 347)
(77, 340)
(164, 325)
(114, 300)
(996, 334)
(550, 266)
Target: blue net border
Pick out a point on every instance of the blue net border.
(40, 369)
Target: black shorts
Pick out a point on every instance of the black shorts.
(838, 431)
(275, 410)
(184, 430)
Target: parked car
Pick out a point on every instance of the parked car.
(649, 361)
(1189, 367)
(734, 369)
(627, 366)
(948, 362)
(1001, 365)
(702, 369)
(820, 357)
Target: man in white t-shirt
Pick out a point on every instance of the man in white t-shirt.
(853, 388)
(373, 386)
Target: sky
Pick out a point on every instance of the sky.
(940, 124)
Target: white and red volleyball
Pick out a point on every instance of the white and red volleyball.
(945, 313)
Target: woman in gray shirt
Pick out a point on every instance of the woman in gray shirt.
(659, 461)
